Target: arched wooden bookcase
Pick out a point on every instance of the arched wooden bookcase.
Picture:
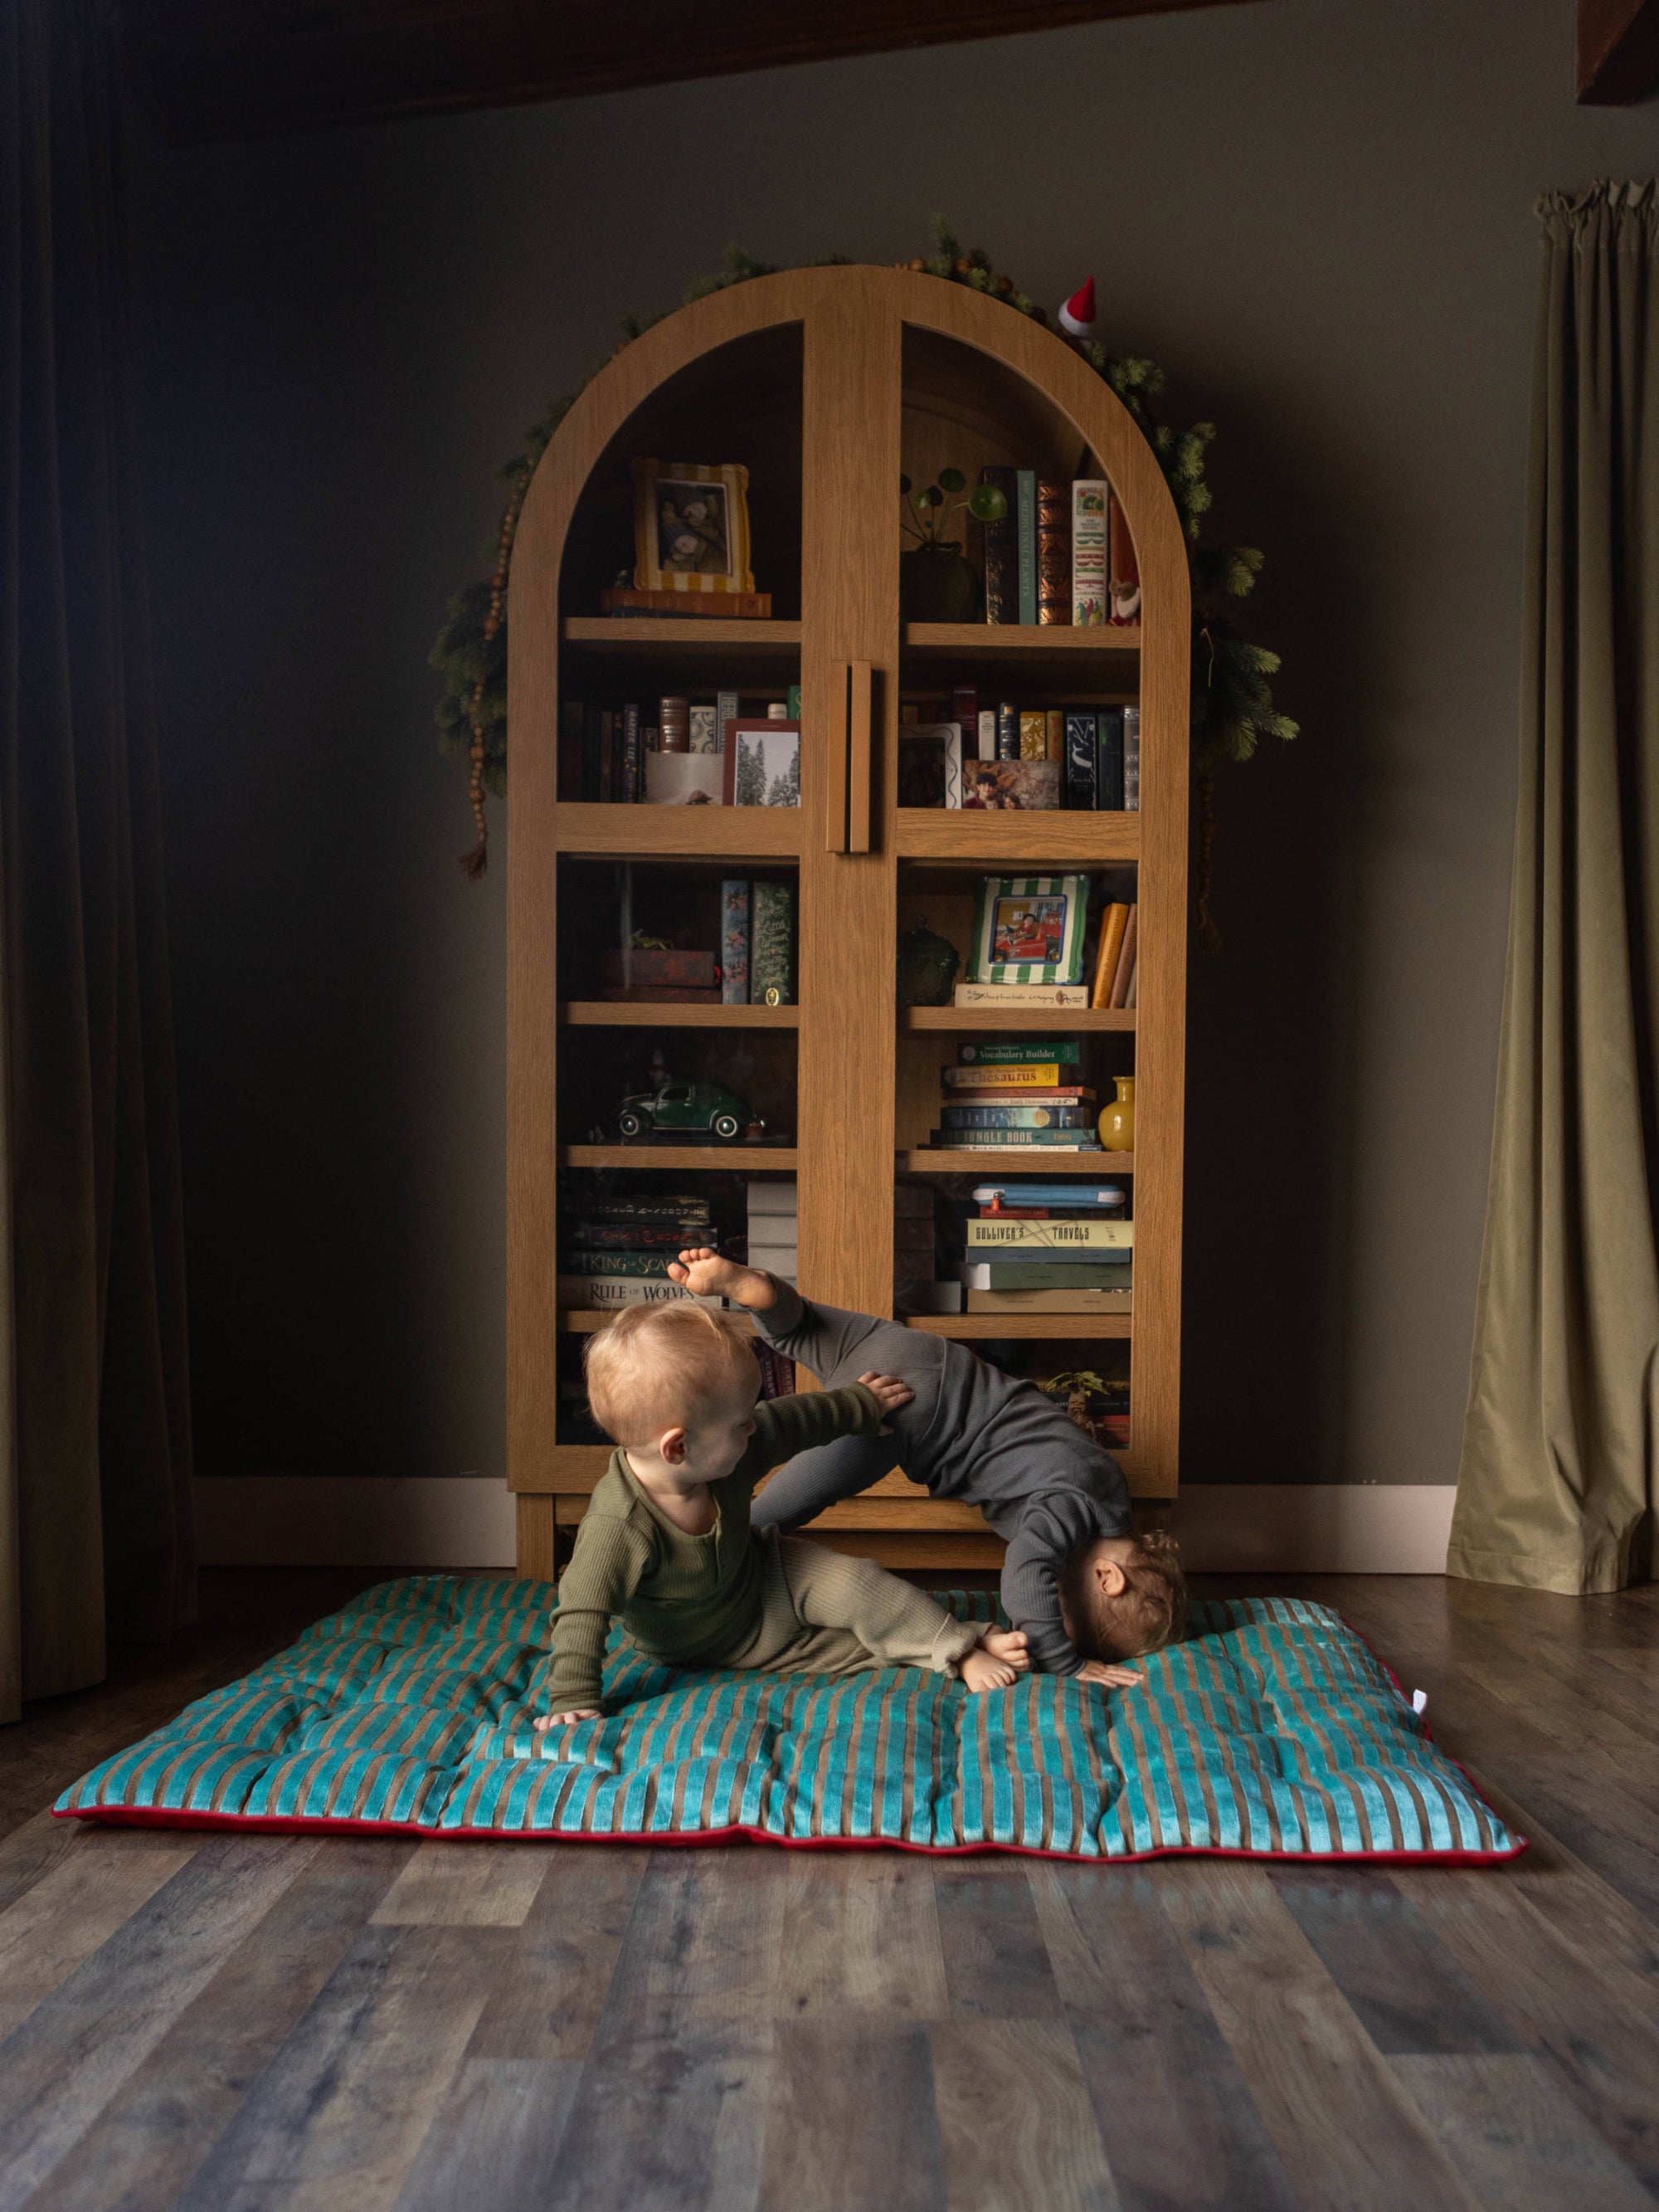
(827, 382)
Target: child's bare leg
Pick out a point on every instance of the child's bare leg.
(707, 1275)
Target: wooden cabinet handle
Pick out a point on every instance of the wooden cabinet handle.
(860, 718)
(848, 798)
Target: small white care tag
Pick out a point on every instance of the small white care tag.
(1420, 1701)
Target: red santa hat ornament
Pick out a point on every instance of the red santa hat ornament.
(1077, 317)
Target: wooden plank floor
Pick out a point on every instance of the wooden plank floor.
(259, 2024)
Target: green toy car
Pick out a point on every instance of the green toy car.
(687, 1106)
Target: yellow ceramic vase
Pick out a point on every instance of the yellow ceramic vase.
(1117, 1120)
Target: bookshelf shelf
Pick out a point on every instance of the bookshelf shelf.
(965, 1326)
(738, 835)
(828, 384)
(977, 642)
(614, 1014)
(1022, 1159)
(1020, 843)
(962, 1021)
(683, 1159)
(682, 636)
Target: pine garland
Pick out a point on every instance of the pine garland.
(1232, 707)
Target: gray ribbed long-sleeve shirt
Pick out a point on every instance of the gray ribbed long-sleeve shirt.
(970, 1432)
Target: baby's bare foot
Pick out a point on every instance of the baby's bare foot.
(707, 1275)
(980, 1672)
(1007, 1643)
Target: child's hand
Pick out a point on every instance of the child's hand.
(564, 1720)
(888, 1393)
(1109, 1677)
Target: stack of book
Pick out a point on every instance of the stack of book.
(1016, 1096)
(1117, 963)
(774, 1225)
(1010, 758)
(616, 1249)
(1048, 1247)
(917, 1288)
(1061, 554)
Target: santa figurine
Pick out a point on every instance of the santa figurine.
(1077, 317)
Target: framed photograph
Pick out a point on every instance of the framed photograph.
(761, 764)
(1028, 929)
(1021, 786)
(691, 527)
(930, 764)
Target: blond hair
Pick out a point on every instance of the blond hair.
(1148, 1612)
(657, 1367)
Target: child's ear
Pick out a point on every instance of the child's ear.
(671, 1447)
(1111, 1578)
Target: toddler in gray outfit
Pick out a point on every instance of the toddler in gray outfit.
(1087, 1592)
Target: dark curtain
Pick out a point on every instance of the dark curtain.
(94, 1429)
(1555, 1488)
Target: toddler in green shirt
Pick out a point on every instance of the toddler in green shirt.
(667, 1547)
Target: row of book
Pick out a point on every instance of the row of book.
(614, 1250)
(1062, 553)
(1117, 962)
(1048, 1247)
(999, 1096)
(1020, 758)
(680, 751)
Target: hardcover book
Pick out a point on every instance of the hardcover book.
(1110, 767)
(734, 942)
(727, 708)
(1002, 552)
(1081, 764)
(1126, 960)
(641, 1266)
(772, 945)
(1027, 1193)
(705, 730)
(1025, 485)
(1055, 1234)
(1054, 552)
(1050, 1302)
(1113, 924)
(683, 1209)
(1131, 759)
(976, 1052)
(1048, 1274)
(587, 1292)
(1090, 559)
(988, 734)
(1059, 1140)
(1027, 1074)
(1007, 732)
(633, 757)
(964, 713)
(636, 1235)
(1079, 1115)
(1033, 734)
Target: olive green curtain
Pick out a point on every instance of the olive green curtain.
(1556, 1489)
(94, 1425)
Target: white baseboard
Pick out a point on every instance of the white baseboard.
(468, 1521)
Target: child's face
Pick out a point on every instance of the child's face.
(717, 1438)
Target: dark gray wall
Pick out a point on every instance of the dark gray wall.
(1317, 213)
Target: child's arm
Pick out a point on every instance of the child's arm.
(784, 1426)
(610, 1559)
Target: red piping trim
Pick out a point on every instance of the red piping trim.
(297, 1824)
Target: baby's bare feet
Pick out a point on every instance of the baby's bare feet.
(1007, 1643)
(980, 1672)
(707, 1275)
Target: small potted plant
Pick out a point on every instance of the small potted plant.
(937, 581)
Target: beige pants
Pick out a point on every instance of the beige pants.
(824, 1614)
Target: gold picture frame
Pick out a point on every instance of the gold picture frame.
(691, 526)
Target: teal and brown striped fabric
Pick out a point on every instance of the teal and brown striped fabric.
(1271, 1731)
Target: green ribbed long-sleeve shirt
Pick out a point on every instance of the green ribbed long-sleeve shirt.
(688, 1601)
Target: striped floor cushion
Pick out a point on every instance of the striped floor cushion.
(1272, 1731)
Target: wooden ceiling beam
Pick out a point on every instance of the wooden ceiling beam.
(233, 69)
(1618, 51)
